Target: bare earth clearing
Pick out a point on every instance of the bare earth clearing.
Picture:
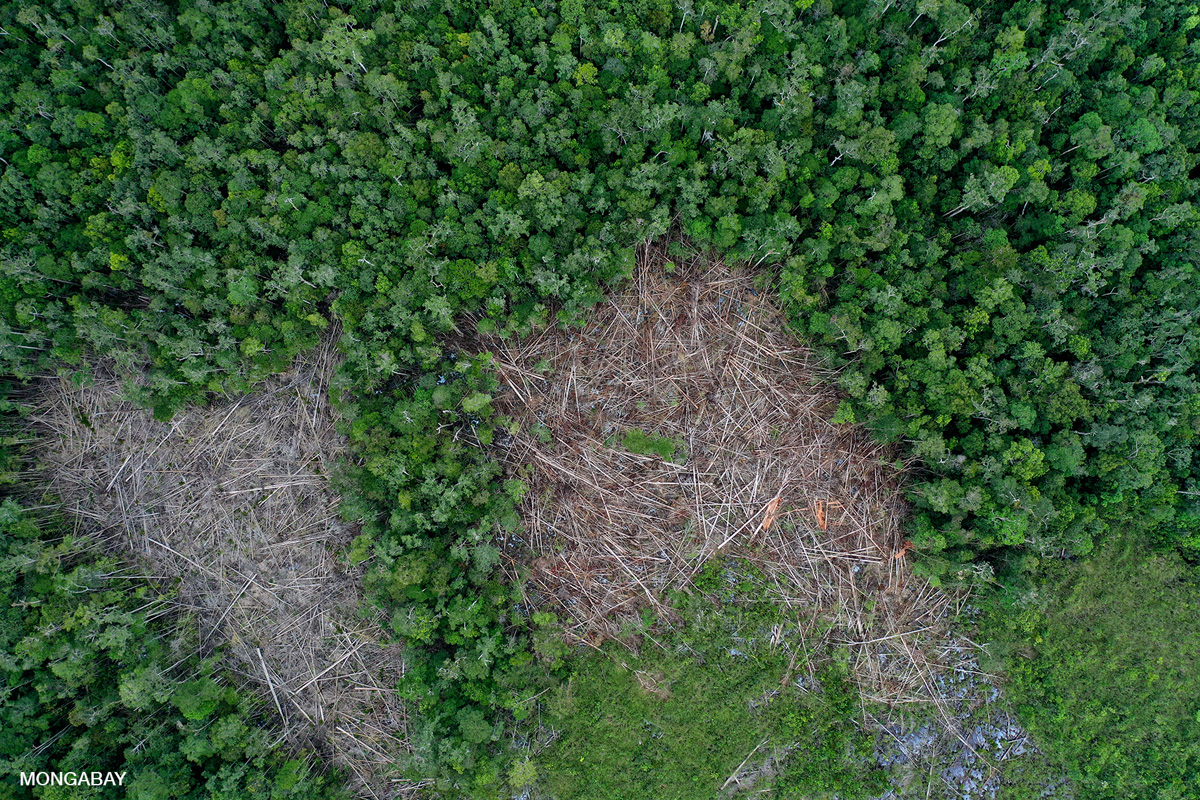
(231, 504)
(699, 362)
(696, 362)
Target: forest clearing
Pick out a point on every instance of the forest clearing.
(228, 510)
(643, 400)
(692, 358)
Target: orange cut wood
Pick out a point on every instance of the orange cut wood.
(770, 514)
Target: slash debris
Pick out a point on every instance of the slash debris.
(681, 423)
(229, 509)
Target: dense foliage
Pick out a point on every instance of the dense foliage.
(95, 677)
(989, 207)
(985, 209)
(1027, 318)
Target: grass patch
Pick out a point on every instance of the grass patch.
(1103, 660)
(710, 706)
(637, 730)
(639, 442)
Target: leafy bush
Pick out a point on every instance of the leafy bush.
(640, 442)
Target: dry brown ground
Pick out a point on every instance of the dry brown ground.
(231, 503)
(700, 357)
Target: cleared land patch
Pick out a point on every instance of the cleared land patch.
(231, 506)
(681, 436)
(683, 423)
